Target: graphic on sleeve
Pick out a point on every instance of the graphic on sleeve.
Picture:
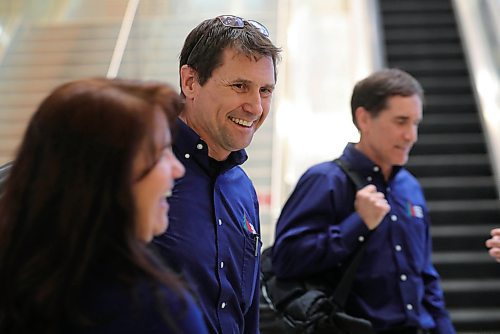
(247, 225)
(414, 210)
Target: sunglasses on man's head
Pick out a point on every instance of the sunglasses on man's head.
(239, 22)
(232, 22)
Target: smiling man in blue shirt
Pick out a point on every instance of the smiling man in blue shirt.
(227, 75)
(324, 221)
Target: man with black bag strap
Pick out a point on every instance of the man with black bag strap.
(395, 286)
(312, 305)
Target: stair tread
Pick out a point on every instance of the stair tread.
(440, 138)
(422, 45)
(398, 34)
(452, 109)
(447, 159)
(471, 285)
(398, 5)
(485, 314)
(450, 81)
(408, 19)
(452, 63)
(446, 119)
(450, 100)
(457, 181)
(462, 257)
(464, 205)
(458, 231)
(413, 50)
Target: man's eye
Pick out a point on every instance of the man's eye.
(266, 91)
(238, 86)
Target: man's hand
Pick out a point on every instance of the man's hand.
(494, 244)
(372, 206)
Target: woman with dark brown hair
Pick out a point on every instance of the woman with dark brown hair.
(86, 193)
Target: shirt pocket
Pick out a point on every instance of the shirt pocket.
(417, 237)
(250, 269)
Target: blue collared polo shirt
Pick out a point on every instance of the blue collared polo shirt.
(213, 235)
(396, 284)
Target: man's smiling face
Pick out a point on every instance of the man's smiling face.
(234, 102)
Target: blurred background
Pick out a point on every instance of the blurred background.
(451, 46)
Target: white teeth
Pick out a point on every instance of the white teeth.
(168, 193)
(241, 121)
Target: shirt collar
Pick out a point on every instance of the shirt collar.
(190, 147)
(361, 163)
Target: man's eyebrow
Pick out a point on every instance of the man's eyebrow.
(405, 118)
(269, 86)
(241, 80)
(246, 81)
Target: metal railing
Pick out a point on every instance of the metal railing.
(479, 25)
(123, 36)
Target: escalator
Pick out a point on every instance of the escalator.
(450, 159)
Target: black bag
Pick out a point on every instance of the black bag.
(306, 306)
(311, 305)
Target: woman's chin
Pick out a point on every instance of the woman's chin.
(162, 225)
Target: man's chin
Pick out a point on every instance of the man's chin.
(242, 144)
(401, 162)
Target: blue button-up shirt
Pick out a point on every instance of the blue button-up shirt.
(213, 235)
(396, 284)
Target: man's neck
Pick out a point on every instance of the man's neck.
(385, 168)
(212, 152)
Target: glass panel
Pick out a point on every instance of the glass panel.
(479, 24)
(160, 28)
(13, 12)
(43, 44)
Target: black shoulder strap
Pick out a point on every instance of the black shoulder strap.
(342, 289)
(351, 174)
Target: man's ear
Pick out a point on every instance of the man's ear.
(188, 80)
(362, 117)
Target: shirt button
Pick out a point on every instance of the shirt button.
(199, 146)
(369, 178)
(220, 222)
(187, 156)
(223, 305)
(361, 238)
(409, 307)
(222, 264)
(394, 218)
(403, 277)
(398, 248)
(376, 168)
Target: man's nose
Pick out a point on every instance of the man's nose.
(254, 103)
(411, 134)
